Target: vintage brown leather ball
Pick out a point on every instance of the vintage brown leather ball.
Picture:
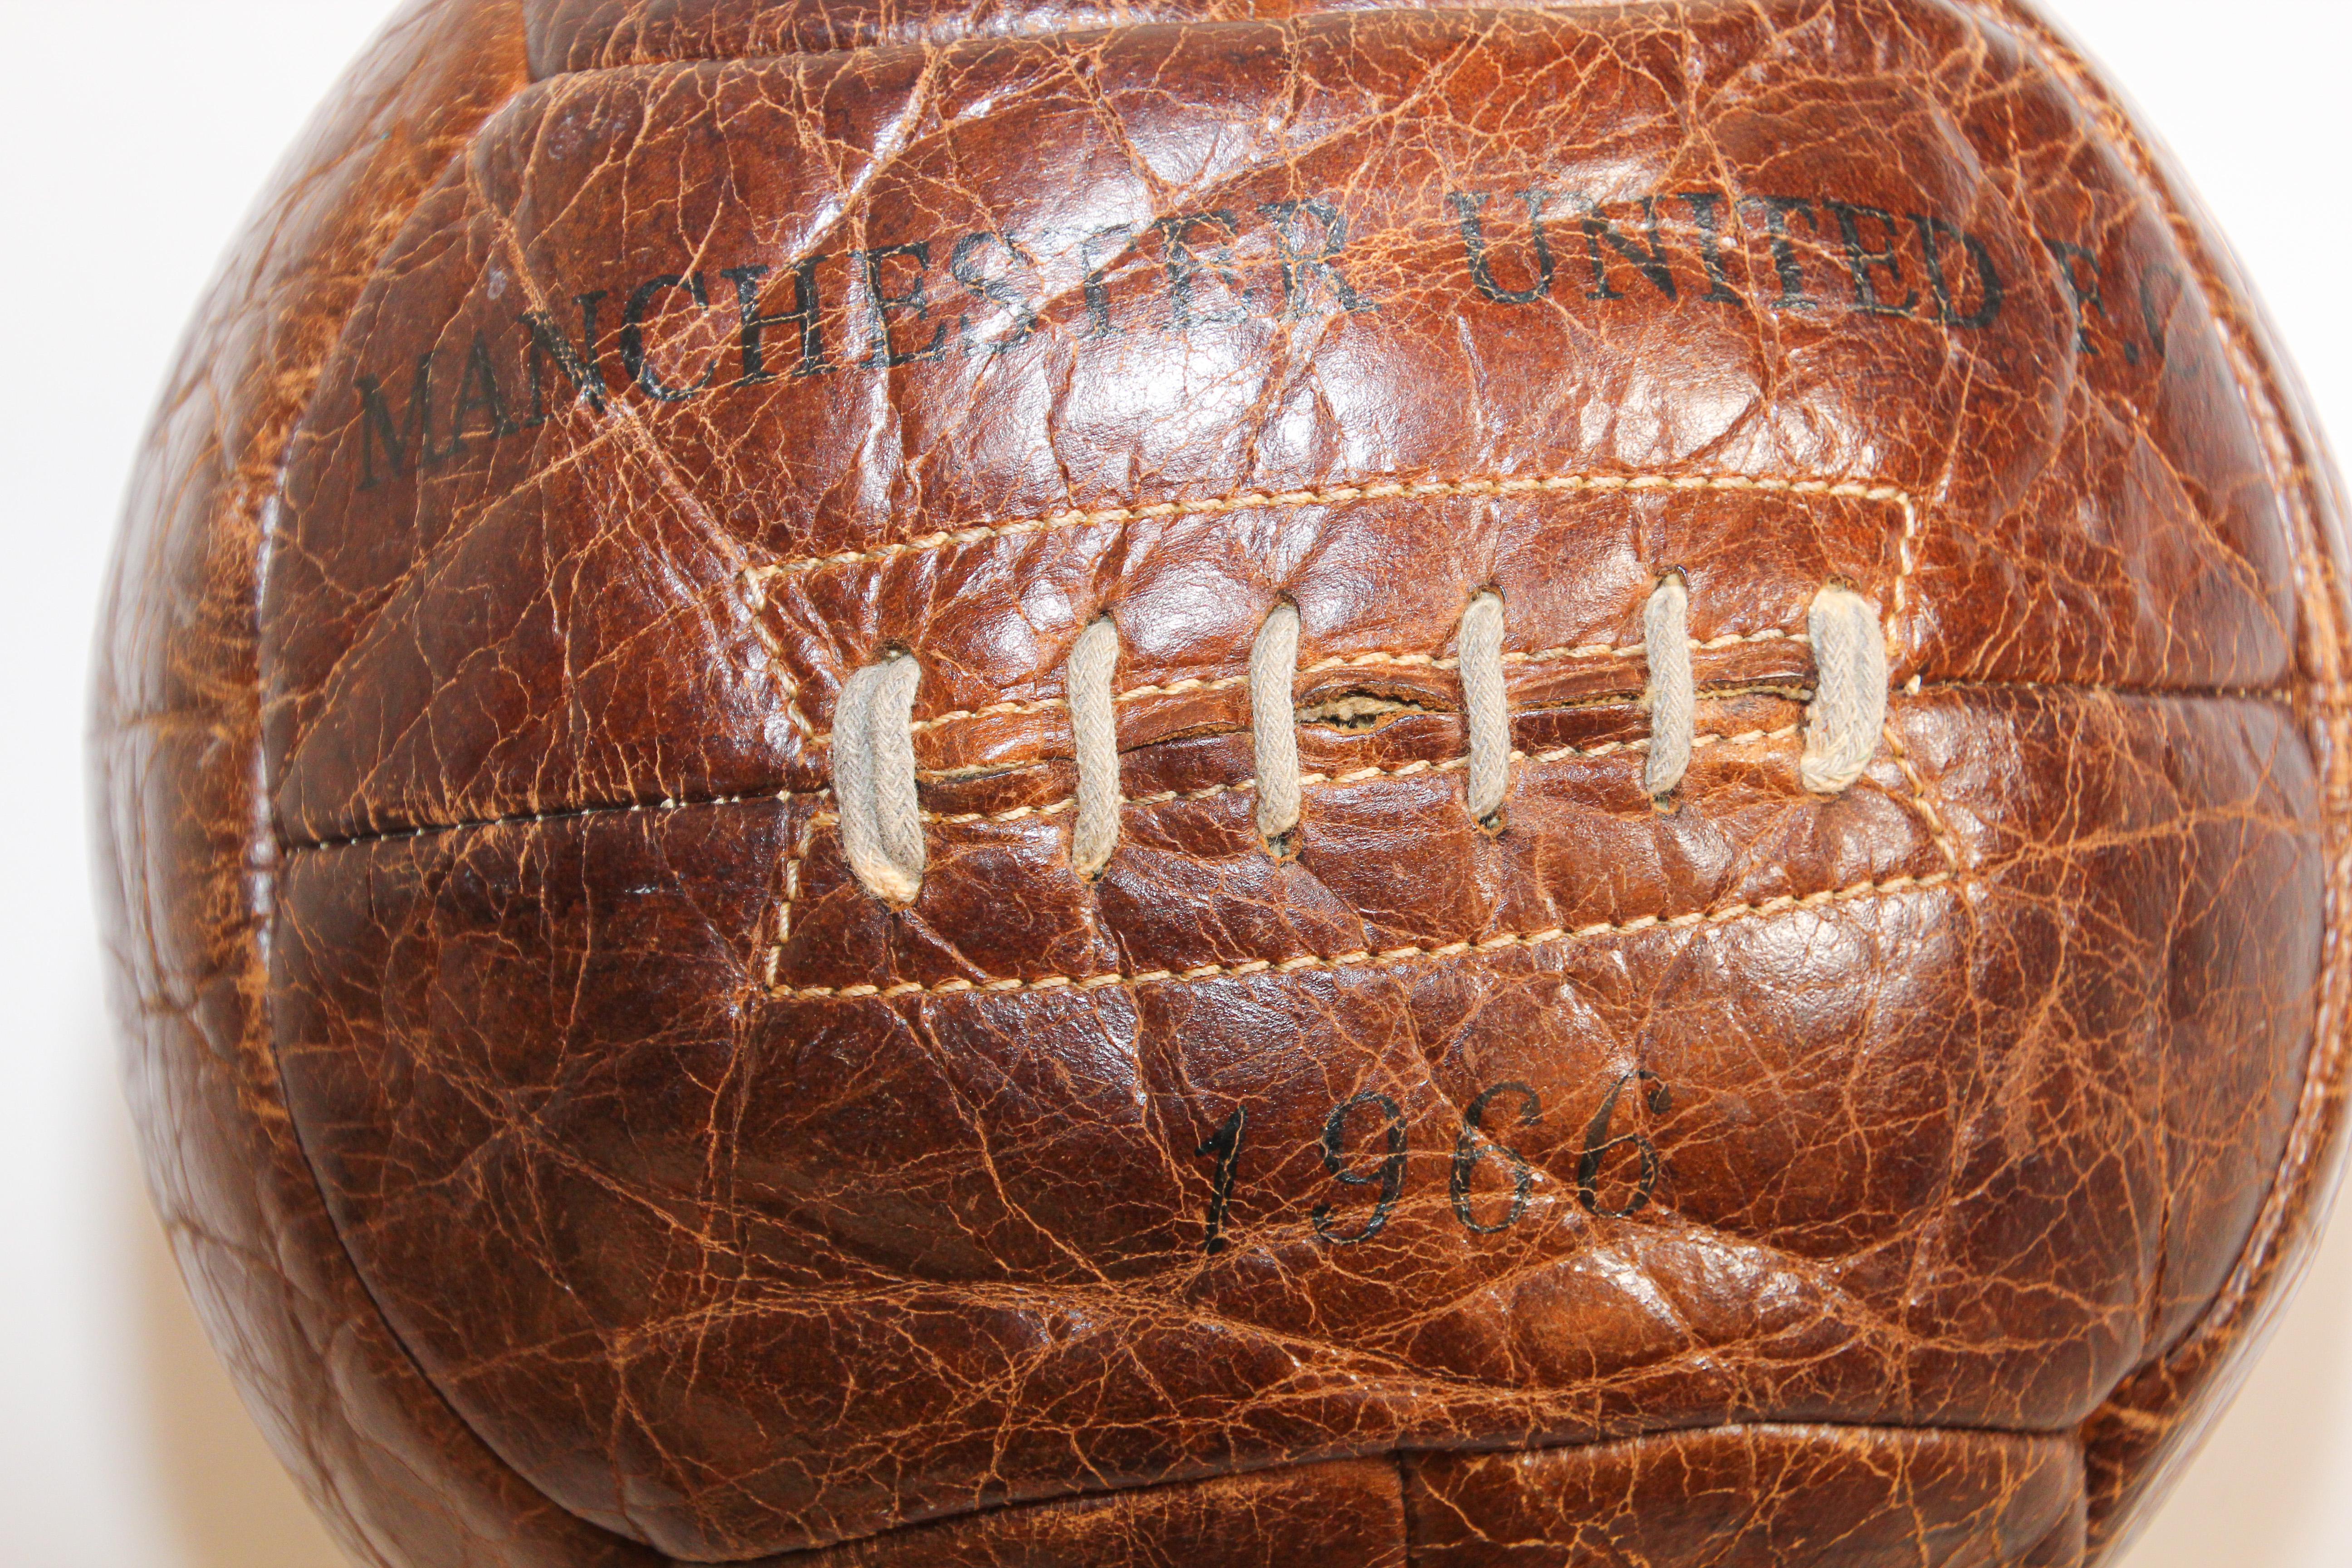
(905, 783)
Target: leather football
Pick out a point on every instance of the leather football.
(910, 782)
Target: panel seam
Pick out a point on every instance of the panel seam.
(1365, 959)
(623, 808)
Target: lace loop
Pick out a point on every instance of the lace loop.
(874, 778)
(1848, 712)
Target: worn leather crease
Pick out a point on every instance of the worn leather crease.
(1886, 1129)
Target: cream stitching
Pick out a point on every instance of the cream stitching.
(802, 843)
(756, 578)
(1362, 958)
(2268, 1248)
(778, 666)
(1921, 799)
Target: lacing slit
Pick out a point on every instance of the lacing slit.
(874, 747)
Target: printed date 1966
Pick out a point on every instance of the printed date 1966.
(1363, 1144)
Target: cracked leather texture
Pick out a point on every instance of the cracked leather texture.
(576, 1166)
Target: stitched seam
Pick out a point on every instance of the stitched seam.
(345, 841)
(868, 40)
(1922, 800)
(1406, 1521)
(756, 578)
(1403, 770)
(557, 814)
(2319, 691)
(262, 931)
(779, 667)
(802, 843)
(2243, 1290)
(1364, 958)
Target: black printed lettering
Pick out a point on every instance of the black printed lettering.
(479, 393)
(884, 302)
(1706, 212)
(1307, 264)
(1226, 1144)
(1863, 263)
(2156, 321)
(1933, 231)
(966, 267)
(803, 314)
(1598, 1143)
(548, 341)
(1776, 211)
(1001, 292)
(633, 358)
(1471, 207)
(408, 442)
(1474, 1146)
(1097, 292)
(1650, 262)
(1387, 1175)
(1186, 270)
(2083, 293)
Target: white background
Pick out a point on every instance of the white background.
(132, 138)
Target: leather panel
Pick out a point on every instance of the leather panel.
(601, 35)
(1763, 1497)
(2070, 498)
(1351, 1511)
(1968, 1171)
(2029, 1128)
(187, 857)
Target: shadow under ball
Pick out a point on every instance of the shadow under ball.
(1139, 785)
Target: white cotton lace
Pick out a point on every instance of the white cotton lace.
(1094, 734)
(873, 779)
(1672, 696)
(1479, 645)
(1848, 712)
(1273, 674)
(874, 749)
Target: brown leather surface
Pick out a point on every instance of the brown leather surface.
(577, 1167)
(1758, 1497)
(188, 856)
(600, 34)
(1350, 1511)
